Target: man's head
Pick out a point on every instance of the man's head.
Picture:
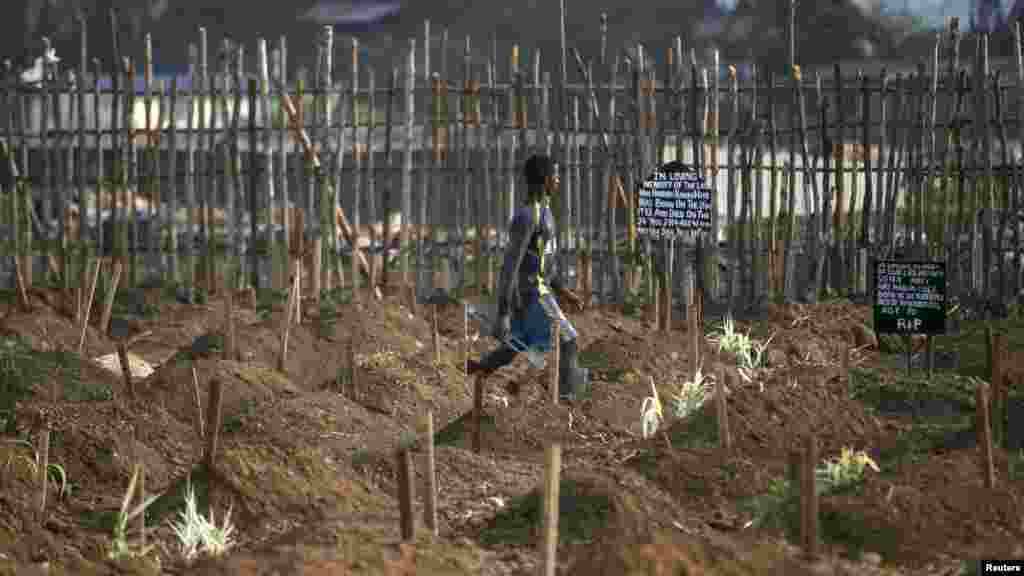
(541, 174)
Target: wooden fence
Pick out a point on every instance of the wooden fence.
(813, 177)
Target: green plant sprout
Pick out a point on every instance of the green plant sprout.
(198, 535)
(749, 352)
(54, 472)
(120, 547)
(651, 414)
(844, 470)
(692, 394)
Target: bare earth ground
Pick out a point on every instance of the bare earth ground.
(306, 462)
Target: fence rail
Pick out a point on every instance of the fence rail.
(813, 179)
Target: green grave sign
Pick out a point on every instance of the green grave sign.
(910, 297)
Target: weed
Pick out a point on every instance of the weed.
(361, 459)
(54, 472)
(408, 440)
(235, 422)
(199, 535)
(343, 378)
(120, 547)
(776, 509)
(749, 353)
(582, 512)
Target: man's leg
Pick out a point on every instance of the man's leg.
(572, 380)
(497, 358)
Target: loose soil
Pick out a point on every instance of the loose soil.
(306, 455)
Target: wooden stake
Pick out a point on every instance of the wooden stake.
(665, 293)
(465, 338)
(435, 339)
(299, 245)
(353, 369)
(317, 275)
(809, 507)
(229, 323)
(403, 461)
(44, 465)
(108, 306)
(88, 306)
(478, 414)
(20, 279)
(141, 492)
(213, 407)
(549, 521)
(556, 357)
(722, 412)
(430, 480)
(126, 371)
(199, 404)
(985, 434)
(695, 336)
(293, 295)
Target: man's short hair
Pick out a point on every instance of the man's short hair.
(537, 169)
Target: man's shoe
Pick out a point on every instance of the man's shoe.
(473, 367)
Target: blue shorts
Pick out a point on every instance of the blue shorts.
(532, 324)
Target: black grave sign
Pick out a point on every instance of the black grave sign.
(673, 200)
(910, 297)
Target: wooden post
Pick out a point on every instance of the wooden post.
(108, 306)
(353, 369)
(694, 337)
(44, 464)
(213, 408)
(229, 321)
(293, 296)
(317, 274)
(549, 521)
(298, 241)
(141, 491)
(20, 279)
(722, 411)
(88, 307)
(555, 361)
(665, 294)
(126, 371)
(435, 338)
(430, 480)
(983, 424)
(403, 461)
(465, 338)
(199, 404)
(478, 414)
(809, 497)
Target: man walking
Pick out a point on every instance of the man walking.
(527, 308)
